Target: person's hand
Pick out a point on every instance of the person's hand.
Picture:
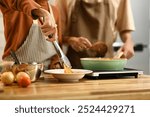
(79, 43)
(48, 25)
(127, 49)
(49, 28)
(98, 49)
(55, 63)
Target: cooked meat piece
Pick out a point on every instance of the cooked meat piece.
(98, 49)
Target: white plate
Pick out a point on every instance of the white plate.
(73, 77)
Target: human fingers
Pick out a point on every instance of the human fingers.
(85, 42)
(48, 26)
(74, 42)
(121, 53)
(77, 48)
(45, 30)
(83, 47)
(50, 33)
(80, 44)
(49, 20)
(127, 53)
(50, 39)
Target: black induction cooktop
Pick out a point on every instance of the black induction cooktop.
(127, 72)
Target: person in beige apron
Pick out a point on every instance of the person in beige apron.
(91, 20)
(36, 48)
(89, 24)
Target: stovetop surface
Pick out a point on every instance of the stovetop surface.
(121, 73)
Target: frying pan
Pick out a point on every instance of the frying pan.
(103, 63)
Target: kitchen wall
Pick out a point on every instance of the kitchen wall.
(141, 60)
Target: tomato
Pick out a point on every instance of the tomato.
(24, 81)
(20, 74)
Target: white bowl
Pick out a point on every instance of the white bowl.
(73, 77)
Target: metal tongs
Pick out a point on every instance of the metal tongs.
(62, 56)
(118, 55)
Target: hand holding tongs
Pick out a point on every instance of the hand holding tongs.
(62, 56)
(119, 54)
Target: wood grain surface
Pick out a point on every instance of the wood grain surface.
(49, 88)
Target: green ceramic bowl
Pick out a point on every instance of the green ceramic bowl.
(103, 63)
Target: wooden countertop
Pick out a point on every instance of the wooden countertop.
(49, 88)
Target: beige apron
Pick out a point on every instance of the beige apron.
(35, 48)
(91, 19)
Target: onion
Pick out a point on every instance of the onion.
(7, 78)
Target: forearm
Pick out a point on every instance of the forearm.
(128, 47)
(126, 36)
(66, 39)
(69, 40)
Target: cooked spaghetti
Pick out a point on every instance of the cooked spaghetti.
(67, 69)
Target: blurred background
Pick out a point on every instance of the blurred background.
(141, 37)
(141, 13)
